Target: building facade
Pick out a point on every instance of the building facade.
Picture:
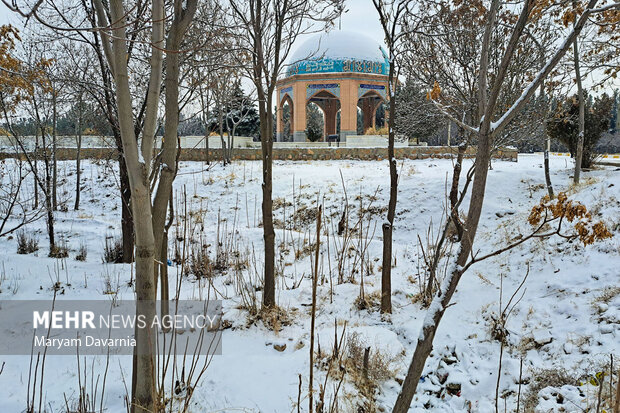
(338, 71)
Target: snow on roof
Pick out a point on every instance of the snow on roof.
(339, 45)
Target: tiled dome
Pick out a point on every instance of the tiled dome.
(336, 52)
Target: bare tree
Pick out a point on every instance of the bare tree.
(390, 13)
(29, 88)
(215, 52)
(489, 124)
(267, 31)
(76, 71)
(149, 219)
(183, 15)
(76, 21)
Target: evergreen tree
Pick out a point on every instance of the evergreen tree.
(416, 117)
(564, 125)
(239, 105)
(315, 123)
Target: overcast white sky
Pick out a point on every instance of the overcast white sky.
(5, 15)
(360, 17)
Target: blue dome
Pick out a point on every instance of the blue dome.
(339, 52)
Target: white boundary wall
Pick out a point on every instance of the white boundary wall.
(198, 142)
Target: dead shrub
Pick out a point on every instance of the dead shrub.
(368, 301)
(199, 263)
(608, 294)
(597, 385)
(365, 368)
(113, 250)
(303, 217)
(82, 252)
(26, 244)
(554, 377)
(274, 318)
(59, 251)
(378, 368)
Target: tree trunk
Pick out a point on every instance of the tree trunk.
(169, 145)
(386, 269)
(127, 226)
(78, 172)
(547, 168)
(204, 109)
(546, 154)
(54, 147)
(580, 96)
(101, 45)
(223, 144)
(207, 146)
(269, 235)
(143, 377)
(163, 272)
(231, 142)
(49, 206)
(35, 170)
(220, 129)
(544, 128)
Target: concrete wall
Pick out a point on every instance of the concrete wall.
(296, 154)
(198, 142)
(373, 141)
(214, 142)
(6, 143)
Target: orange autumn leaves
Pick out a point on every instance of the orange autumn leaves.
(17, 80)
(434, 93)
(564, 209)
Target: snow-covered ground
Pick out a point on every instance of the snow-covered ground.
(563, 330)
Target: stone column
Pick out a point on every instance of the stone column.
(330, 109)
(298, 125)
(279, 120)
(374, 113)
(369, 106)
(348, 108)
(367, 111)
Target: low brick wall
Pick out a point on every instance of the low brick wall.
(297, 154)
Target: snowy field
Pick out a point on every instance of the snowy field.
(560, 334)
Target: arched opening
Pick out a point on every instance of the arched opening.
(368, 105)
(329, 105)
(315, 122)
(286, 119)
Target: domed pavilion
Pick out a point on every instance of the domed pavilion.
(340, 72)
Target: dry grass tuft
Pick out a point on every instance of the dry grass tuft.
(555, 377)
(274, 318)
(113, 250)
(26, 244)
(368, 301)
